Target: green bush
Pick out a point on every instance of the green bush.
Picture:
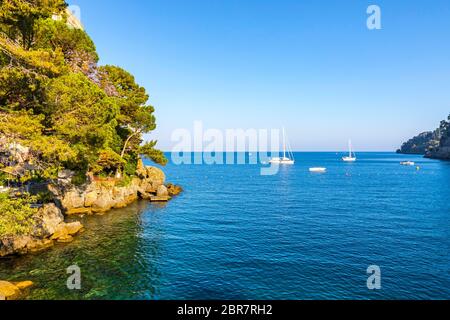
(79, 178)
(45, 197)
(125, 181)
(3, 179)
(16, 216)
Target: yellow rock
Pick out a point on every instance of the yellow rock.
(23, 285)
(155, 175)
(8, 291)
(73, 227)
(90, 198)
(174, 189)
(159, 199)
(65, 230)
(65, 239)
(39, 245)
(78, 211)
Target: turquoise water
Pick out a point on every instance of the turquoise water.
(234, 234)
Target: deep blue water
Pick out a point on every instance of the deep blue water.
(234, 234)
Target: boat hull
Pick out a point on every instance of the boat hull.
(281, 161)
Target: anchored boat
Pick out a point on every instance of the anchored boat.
(288, 156)
(351, 155)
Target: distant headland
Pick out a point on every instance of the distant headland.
(432, 144)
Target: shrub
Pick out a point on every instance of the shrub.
(16, 216)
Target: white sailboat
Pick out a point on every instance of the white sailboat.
(351, 155)
(288, 156)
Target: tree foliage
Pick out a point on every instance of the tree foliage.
(56, 102)
(16, 216)
(18, 17)
(136, 118)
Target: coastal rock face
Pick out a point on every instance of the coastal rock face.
(442, 153)
(421, 144)
(100, 196)
(162, 191)
(443, 150)
(48, 222)
(48, 219)
(434, 145)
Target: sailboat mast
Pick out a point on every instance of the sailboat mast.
(350, 148)
(284, 144)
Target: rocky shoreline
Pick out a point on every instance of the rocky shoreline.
(97, 196)
(102, 195)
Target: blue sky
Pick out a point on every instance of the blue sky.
(310, 66)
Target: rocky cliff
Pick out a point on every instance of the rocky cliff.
(442, 151)
(421, 144)
(434, 145)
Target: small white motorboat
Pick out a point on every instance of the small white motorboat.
(283, 160)
(407, 163)
(318, 169)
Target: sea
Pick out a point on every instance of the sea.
(372, 229)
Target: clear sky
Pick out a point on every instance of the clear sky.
(309, 65)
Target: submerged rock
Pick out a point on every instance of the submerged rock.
(23, 284)
(13, 291)
(65, 231)
(8, 291)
